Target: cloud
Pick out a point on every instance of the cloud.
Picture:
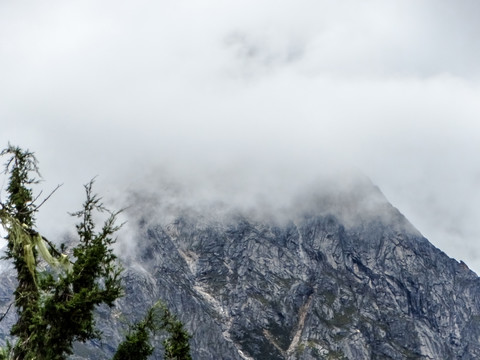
(117, 89)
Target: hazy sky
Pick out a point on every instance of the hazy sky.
(118, 88)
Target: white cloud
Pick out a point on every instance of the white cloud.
(118, 88)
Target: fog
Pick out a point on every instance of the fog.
(249, 97)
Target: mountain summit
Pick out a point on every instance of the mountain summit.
(339, 273)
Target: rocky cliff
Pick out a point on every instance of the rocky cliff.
(335, 275)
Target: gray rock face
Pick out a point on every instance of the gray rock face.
(339, 276)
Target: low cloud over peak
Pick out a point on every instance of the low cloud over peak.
(119, 89)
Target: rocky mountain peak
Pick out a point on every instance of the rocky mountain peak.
(336, 273)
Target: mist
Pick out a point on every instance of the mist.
(239, 98)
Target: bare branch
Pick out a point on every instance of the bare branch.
(36, 198)
(6, 312)
(48, 197)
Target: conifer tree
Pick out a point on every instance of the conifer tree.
(56, 305)
(158, 318)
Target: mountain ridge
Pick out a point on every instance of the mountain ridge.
(340, 274)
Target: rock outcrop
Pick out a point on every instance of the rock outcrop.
(340, 275)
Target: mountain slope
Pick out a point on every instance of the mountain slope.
(340, 274)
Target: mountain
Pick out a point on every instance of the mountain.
(339, 273)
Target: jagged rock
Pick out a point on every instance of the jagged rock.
(340, 275)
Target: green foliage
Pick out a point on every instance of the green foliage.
(16, 215)
(176, 345)
(137, 344)
(56, 307)
(70, 299)
(6, 353)
(20, 164)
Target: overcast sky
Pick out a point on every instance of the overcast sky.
(118, 88)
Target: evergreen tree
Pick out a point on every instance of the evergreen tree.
(158, 318)
(56, 306)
